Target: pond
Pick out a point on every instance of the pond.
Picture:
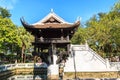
(95, 79)
(44, 77)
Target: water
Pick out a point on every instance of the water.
(95, 79)
(44, 77)
(27, 77)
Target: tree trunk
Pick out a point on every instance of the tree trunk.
(23, 51)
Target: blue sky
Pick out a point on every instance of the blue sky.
(69, 10)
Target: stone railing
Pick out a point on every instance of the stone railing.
(87, 48)
(115, 64)
(78, 47)
(22, 65)
(52, 40)
(97, 56)
(7, 67)
(28, 77)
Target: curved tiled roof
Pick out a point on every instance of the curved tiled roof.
(57, 25)
(51, 25)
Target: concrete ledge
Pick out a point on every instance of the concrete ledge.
(52, 77)
(31, 71)
(6, 74)
(92, 75)
(34, 71)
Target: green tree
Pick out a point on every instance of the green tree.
(104, 31)
(99, 33)
(12, 39)
(80, 36)
(24, 40)
(7, 34)
(116, 28)
(8, 39)
(4, 13)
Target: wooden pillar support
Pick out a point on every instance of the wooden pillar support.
(53, 73)
(54, 53)
(41, 38)
(68, 37)
(62, 34)
(34, 48)
(38, 49)
(68, 48)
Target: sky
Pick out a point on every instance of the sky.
(69, 10)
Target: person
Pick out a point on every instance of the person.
(39, 60)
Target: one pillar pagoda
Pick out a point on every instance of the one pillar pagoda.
(52, 37)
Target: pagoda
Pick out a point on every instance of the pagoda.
(52, 37)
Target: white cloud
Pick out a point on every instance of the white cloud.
(9, 4)
(14, 1)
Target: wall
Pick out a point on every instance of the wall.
(84, 59)
(91, 75)
(22, 68)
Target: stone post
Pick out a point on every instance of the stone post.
(53, 73)
(86, 45)
(107, 64)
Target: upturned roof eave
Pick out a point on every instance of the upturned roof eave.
(56, 26)
(28, 26)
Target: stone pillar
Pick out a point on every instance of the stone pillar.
(68, 48)
(67, 37)
(86, 45)
(62, 34)
(53, 73)
(38, 49)
(41, 38)
(50, 55)
(54, 54)
(35, 48)
(107, 64)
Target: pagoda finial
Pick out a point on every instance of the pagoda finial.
(52, 10)
(78, 18)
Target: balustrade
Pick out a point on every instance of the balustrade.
(52, 39)
(22, 65)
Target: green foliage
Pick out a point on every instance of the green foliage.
(13, 39)
(4, 13)
(102, 32)
(80, 36)
(24, 40)
(105, 31)
(24, 37)
(7, 33)
(116, 7)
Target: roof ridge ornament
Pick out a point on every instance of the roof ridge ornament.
(78, 18)
(51, 10)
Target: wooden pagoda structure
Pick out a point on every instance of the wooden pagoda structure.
(51, 33)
